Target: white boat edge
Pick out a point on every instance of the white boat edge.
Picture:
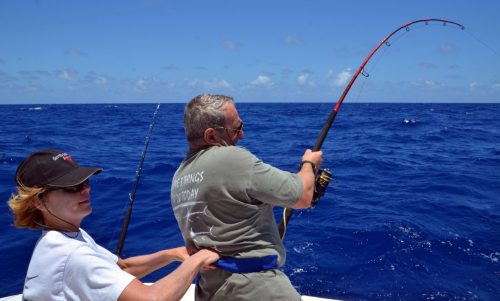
(189, 296)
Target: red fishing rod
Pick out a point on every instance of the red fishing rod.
(323, 176)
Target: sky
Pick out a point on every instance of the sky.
(95, 51)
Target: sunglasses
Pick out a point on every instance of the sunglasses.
(71, 189)
(237, 130)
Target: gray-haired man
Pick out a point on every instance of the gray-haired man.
(222, 197)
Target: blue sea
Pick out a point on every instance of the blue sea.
(412, 212)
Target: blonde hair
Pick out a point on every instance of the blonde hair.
(26, 215)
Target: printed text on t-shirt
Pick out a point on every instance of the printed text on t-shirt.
(183, 187)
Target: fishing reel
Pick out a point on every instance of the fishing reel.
(323, 177)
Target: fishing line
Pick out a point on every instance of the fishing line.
(483, 43)
(126, 219)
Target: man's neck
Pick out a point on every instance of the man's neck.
(196, 147)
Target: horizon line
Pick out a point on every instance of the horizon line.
(258, 102)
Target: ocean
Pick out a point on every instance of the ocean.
(412, 212)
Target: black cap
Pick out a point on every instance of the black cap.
(52, 168)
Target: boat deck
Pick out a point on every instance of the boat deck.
(189, 296)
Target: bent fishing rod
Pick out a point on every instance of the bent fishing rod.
(323, 176)
(126, 219)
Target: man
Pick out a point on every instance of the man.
(222, 197)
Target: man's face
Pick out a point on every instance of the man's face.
(234, 125)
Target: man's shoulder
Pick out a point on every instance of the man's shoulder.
(234, 154)
(236, 151)
(229, 157)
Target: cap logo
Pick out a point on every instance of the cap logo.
(64, 156)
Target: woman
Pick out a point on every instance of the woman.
(53, 194)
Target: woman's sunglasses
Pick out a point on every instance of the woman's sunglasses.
(71, 189)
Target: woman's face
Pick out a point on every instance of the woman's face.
(70, 204)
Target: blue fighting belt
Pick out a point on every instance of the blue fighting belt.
(245, 265)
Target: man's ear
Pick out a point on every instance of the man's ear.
(210, 137)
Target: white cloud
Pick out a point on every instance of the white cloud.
(141, 84)
(191, 82)
(152, 83)
(74, 52)
(171, 67)
(293, 40)
(430, 83)
(340, 79)
(428, 66)
(101, 81)
(343, 77)
(497, 86)
(302, 79)
(232, 45)
(426, 84)
(448, 48)
(473, 85)
(262, 80)
(67, 74)
(217, 84)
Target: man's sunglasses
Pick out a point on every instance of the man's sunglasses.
(237, 130)
(71, 189)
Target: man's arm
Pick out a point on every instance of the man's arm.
(310, 161)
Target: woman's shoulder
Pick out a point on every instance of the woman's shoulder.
(61, 240)
(55, 246)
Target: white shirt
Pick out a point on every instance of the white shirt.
(63, 268)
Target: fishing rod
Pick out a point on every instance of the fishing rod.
(323, 176)
(126, 219)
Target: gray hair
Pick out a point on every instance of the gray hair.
(203, 112)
